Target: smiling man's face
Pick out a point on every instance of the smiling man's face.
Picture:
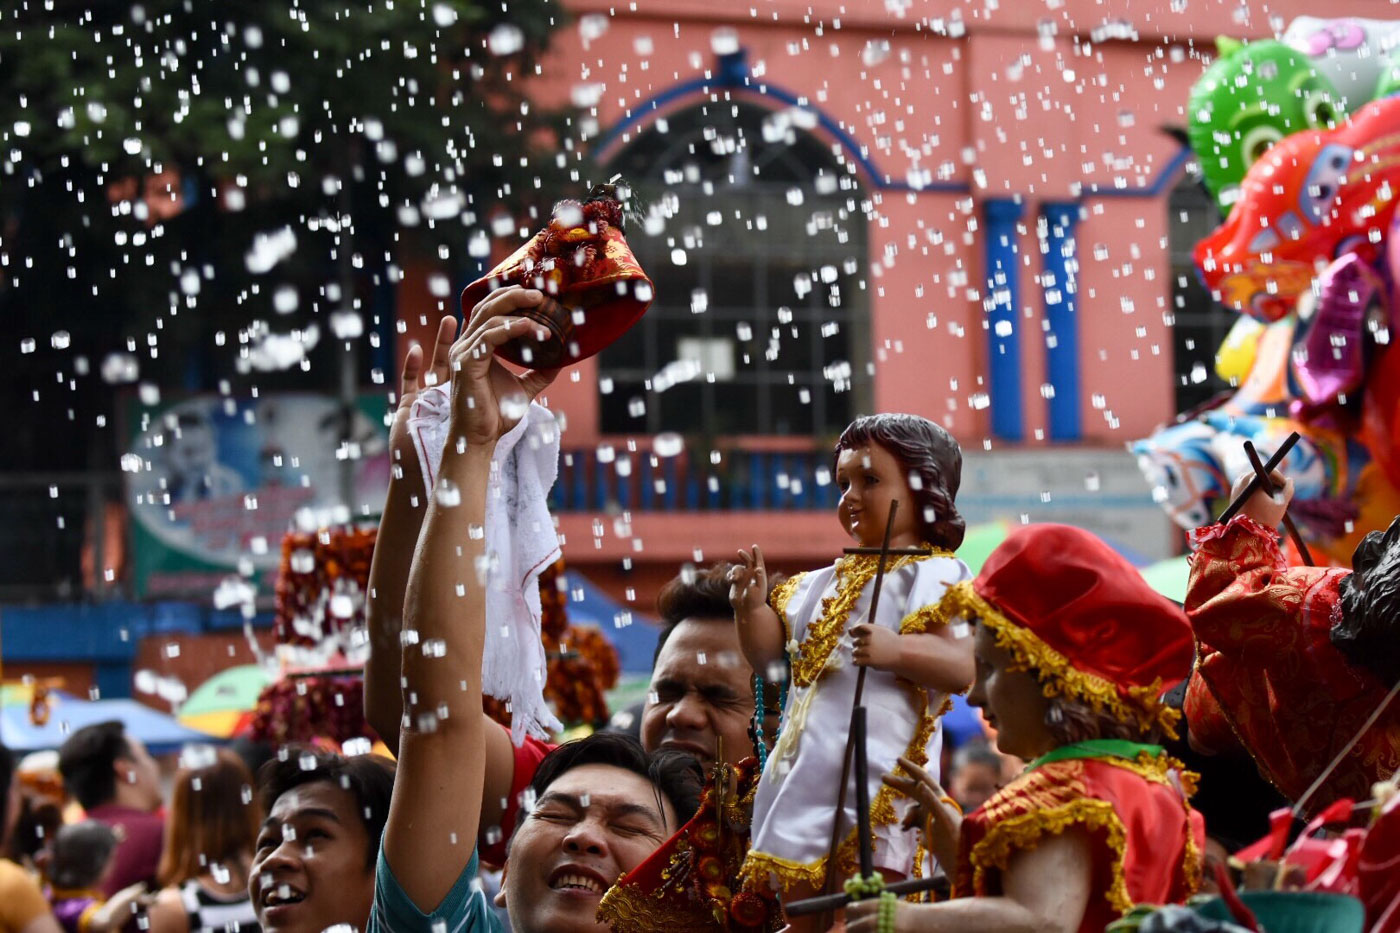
(312, 867)
(591, 826)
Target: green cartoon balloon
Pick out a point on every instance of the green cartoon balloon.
(1253, 95)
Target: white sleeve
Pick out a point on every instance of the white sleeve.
(932, 578)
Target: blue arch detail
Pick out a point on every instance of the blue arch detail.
(733, 75)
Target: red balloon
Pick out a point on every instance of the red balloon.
(1311, 198)
(1380, 412)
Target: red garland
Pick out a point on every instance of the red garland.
(334, 555)
(308, 709)
(582, 664)
(325, 707)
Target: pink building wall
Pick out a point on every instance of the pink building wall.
(1047, 102)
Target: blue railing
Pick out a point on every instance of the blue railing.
(604, 478)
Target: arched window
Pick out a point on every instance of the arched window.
(756, 240)
(1199, 325)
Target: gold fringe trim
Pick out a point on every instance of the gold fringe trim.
(1058, 677)
(778, 599)
(853, 573)
(1022, 832)
(922, 621)
(760, 868)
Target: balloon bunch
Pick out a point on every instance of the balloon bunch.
(1306, 171)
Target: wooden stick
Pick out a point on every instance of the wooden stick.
(1253, 486)
(829, 902)
(1266, 482)
(867, 856)
(830, 880)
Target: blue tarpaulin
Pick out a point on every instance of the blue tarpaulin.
(632, 633)
(159, 732)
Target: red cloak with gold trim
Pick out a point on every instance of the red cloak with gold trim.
(1146, 839)
(691, 884)
(1267, 670)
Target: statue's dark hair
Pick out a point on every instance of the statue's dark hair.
(1370, 602)
(926, 451)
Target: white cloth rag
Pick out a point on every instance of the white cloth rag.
(520, 544)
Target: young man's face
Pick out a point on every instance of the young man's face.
(701, 692)
(139, 771)
(973, 784)
(312, 867)
(593, 825)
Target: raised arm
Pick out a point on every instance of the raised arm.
(399, 527)
(1242, 596)
(760, 630)
(436, 809)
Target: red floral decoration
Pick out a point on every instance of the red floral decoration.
(308, 709)
(325, 707)
(316, 566)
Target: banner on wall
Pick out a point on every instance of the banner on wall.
(213, 483)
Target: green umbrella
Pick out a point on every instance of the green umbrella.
(232, 690)
(980, 541)
(1169, 577)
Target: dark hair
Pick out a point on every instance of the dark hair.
(1071, 721)
(368, 778)
(79, 854)
(675, 775)
(1370, 604)
(7, 773)
(86, 761)
(699, 594)
(976, 752)
(39, 818)
(929, 453)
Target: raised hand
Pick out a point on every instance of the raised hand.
(748, 583)
(1265, 509)
(415, 379)
(487, 398)
(934, 811)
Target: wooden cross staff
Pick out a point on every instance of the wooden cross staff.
(1266, 482)
(855, 752)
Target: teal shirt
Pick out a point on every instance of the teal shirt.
(463, 910)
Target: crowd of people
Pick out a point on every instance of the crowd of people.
(712, 809)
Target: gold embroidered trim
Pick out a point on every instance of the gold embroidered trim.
(922, 621)
(626, 908)
(1058, 677)
(853, 572)
(1022, 832)
(778, 599)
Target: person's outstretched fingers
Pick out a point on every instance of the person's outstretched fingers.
(502, 301)
(442, 352)
(412, 365)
